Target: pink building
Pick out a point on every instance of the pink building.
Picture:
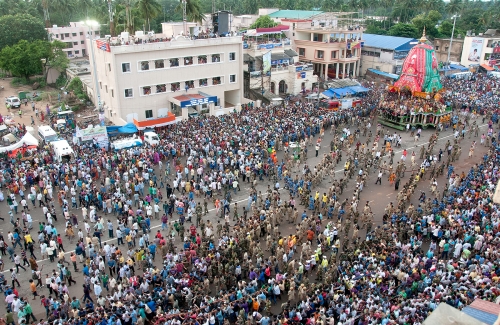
(331, 44)
(74, 36)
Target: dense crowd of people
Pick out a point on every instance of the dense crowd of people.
(236, 267)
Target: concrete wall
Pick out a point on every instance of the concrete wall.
(441, 46)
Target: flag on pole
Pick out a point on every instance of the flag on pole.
(103, 45)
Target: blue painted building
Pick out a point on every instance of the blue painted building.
(385, 53)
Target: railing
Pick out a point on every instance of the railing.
(265, 46)
(164, 43)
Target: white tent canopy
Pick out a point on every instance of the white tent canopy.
(27, 139)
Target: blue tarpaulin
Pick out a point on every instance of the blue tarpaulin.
(342, 91)
(358, 89)
(384, 74)
(126, 129)
(329, 93)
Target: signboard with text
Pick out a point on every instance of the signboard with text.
(199, 101)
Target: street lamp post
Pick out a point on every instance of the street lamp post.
(97, 93)
(451, 39)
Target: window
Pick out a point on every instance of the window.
(334, 54)
(62, 37)
(96, 32)
(216, 81)
(109, 66)
(73, 34)
(161, 88)
(75, 43)
(320, 54)
(174, 62)
(146, 90)
(232, 56)
(57, 35)
(202, 59)
(144, 65)
(149, 113)
(215, 57)
(128, 93)
(81, 33)
(100, 84)
(175, 86)
(189, 84)
(232, 78)
(66, 35)
(302, 51)
(446, 48)
(159, 64)
(106, 86)
(82, 42)
(112, 93)
(70, 53)
(77, 52)
(125, 67)
(188, 60)
(203, 82)
(437, 48)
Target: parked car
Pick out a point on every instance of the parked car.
(13, 101)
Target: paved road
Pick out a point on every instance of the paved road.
(378, 195)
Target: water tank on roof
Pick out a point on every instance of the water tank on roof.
(125, 35)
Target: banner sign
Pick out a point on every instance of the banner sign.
(266, 61)
(199, 101)
(99, 133)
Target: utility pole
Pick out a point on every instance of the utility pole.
(451, 39)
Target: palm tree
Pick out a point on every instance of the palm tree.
(46, 17)
(148, 9)
(194, 11)
(454, 7)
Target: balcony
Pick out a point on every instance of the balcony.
(256, 45)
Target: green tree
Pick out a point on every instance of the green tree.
(404, 30)
(76, 86)
(263, 22)
(148, 9)
(56, 58)
(24, 59)
(428, 21)
(445, 28)
(14, 28)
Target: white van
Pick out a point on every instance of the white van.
(62, 150)
(46, 133)
(151, 138)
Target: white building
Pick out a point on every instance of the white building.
(74, 36)
(155, 80)
(482, 50)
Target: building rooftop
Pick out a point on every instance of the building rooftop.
(485, 311)
(389, 42)
(294, 14)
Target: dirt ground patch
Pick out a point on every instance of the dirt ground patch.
(27, 111)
